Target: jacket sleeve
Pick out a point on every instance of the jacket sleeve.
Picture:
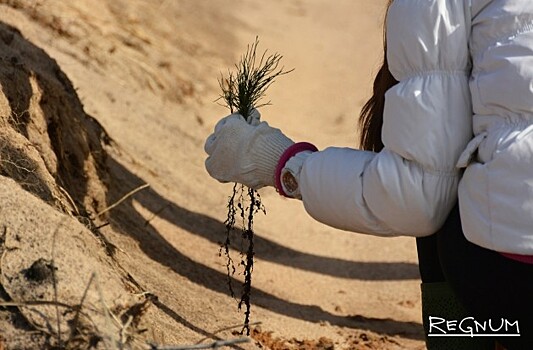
(411, 185)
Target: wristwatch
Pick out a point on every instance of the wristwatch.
(290, 174)
(289, 182)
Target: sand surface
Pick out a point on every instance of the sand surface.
(147, 71)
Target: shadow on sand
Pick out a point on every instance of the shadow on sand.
(158, 249)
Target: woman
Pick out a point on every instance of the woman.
(453, 69)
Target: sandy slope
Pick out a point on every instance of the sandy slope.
(147, 71)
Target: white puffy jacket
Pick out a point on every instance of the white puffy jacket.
(465, 68)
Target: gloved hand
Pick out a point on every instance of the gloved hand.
(245, 153)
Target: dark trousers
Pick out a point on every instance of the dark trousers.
(488, 285)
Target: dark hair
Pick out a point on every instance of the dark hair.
(371, 117)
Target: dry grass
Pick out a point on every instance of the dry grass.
(121, 331)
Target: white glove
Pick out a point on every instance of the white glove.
(244, 153)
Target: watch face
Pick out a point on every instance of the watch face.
(289, 182)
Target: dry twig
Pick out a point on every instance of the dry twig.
(215, 345)
(227, 329)
(129, 194)
(76, 318)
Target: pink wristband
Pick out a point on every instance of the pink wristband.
(288, 154)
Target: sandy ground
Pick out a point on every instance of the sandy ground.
(147, 71)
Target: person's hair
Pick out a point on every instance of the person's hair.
(371, 117)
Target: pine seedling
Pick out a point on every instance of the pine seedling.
(242, 91)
